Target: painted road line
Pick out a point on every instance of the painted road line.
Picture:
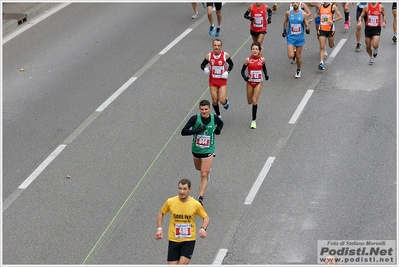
(116, 94)
(181, 36)
(37, 19)
(259, 181)
(42, 166)
(220, 256)
(81, 128)
(336, 50)
(93, 116)
(301, 106)
(11, 198)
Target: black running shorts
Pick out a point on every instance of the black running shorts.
(177, 249)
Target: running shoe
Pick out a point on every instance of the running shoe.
(227, 105)
(211, 30)
(274, 8)
(217, 31)
(253, 125)
(195, 16)
(347, 23)
(371, 61)
(375, 53)
(358, 46)
(298, 74)
(394, 38)
(321, 66)
(220, 116)
(325, 52)
(201, 200)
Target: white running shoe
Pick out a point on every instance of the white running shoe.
(371, 61)
(375, 52)
(298, 74)
(195, 16)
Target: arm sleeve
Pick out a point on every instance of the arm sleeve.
(186, 129)
(204, 63)
(244, 67)
(269, 14)
(264, 69)
(231, 64)
(247, 16)
(219, 123)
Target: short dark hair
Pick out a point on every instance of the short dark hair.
(256, 43)
(185, 181)
(205, 103)
(217, 40)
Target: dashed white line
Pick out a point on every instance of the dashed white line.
(42, 166)
(259, 181)
(80, 129)
(336, 50)
(116, 94)
(220, 256)
(181, 36)
(300, 107)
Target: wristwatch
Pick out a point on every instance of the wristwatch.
(203, 228)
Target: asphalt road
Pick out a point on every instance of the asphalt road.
(332, 166)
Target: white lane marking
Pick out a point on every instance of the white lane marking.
(181, 36)
(81, 127)
(220, 256)
(42, 166)
(301, 106)
(259, 181)
(11, 198)
(37, 19)
(116, 94)
(336, 50)
(91, 118)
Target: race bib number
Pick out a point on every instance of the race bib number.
(372, 20)
(217, 71)
(255, 76)
(203, 141)
(183, 230)
(296, 28)
(324, 19)
(258, 22)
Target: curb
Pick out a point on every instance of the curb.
(12, 24)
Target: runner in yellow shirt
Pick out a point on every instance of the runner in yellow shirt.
(182, 230)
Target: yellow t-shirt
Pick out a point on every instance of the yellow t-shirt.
(182, 218)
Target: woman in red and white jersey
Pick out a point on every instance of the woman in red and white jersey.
(255, 64)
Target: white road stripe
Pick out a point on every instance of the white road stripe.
(220, 256)
(336, 49)
(116, 94)
(259, 181)
(104, 105)
(301, 106)
(37, 19)
(42, 166)
(181, 36)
